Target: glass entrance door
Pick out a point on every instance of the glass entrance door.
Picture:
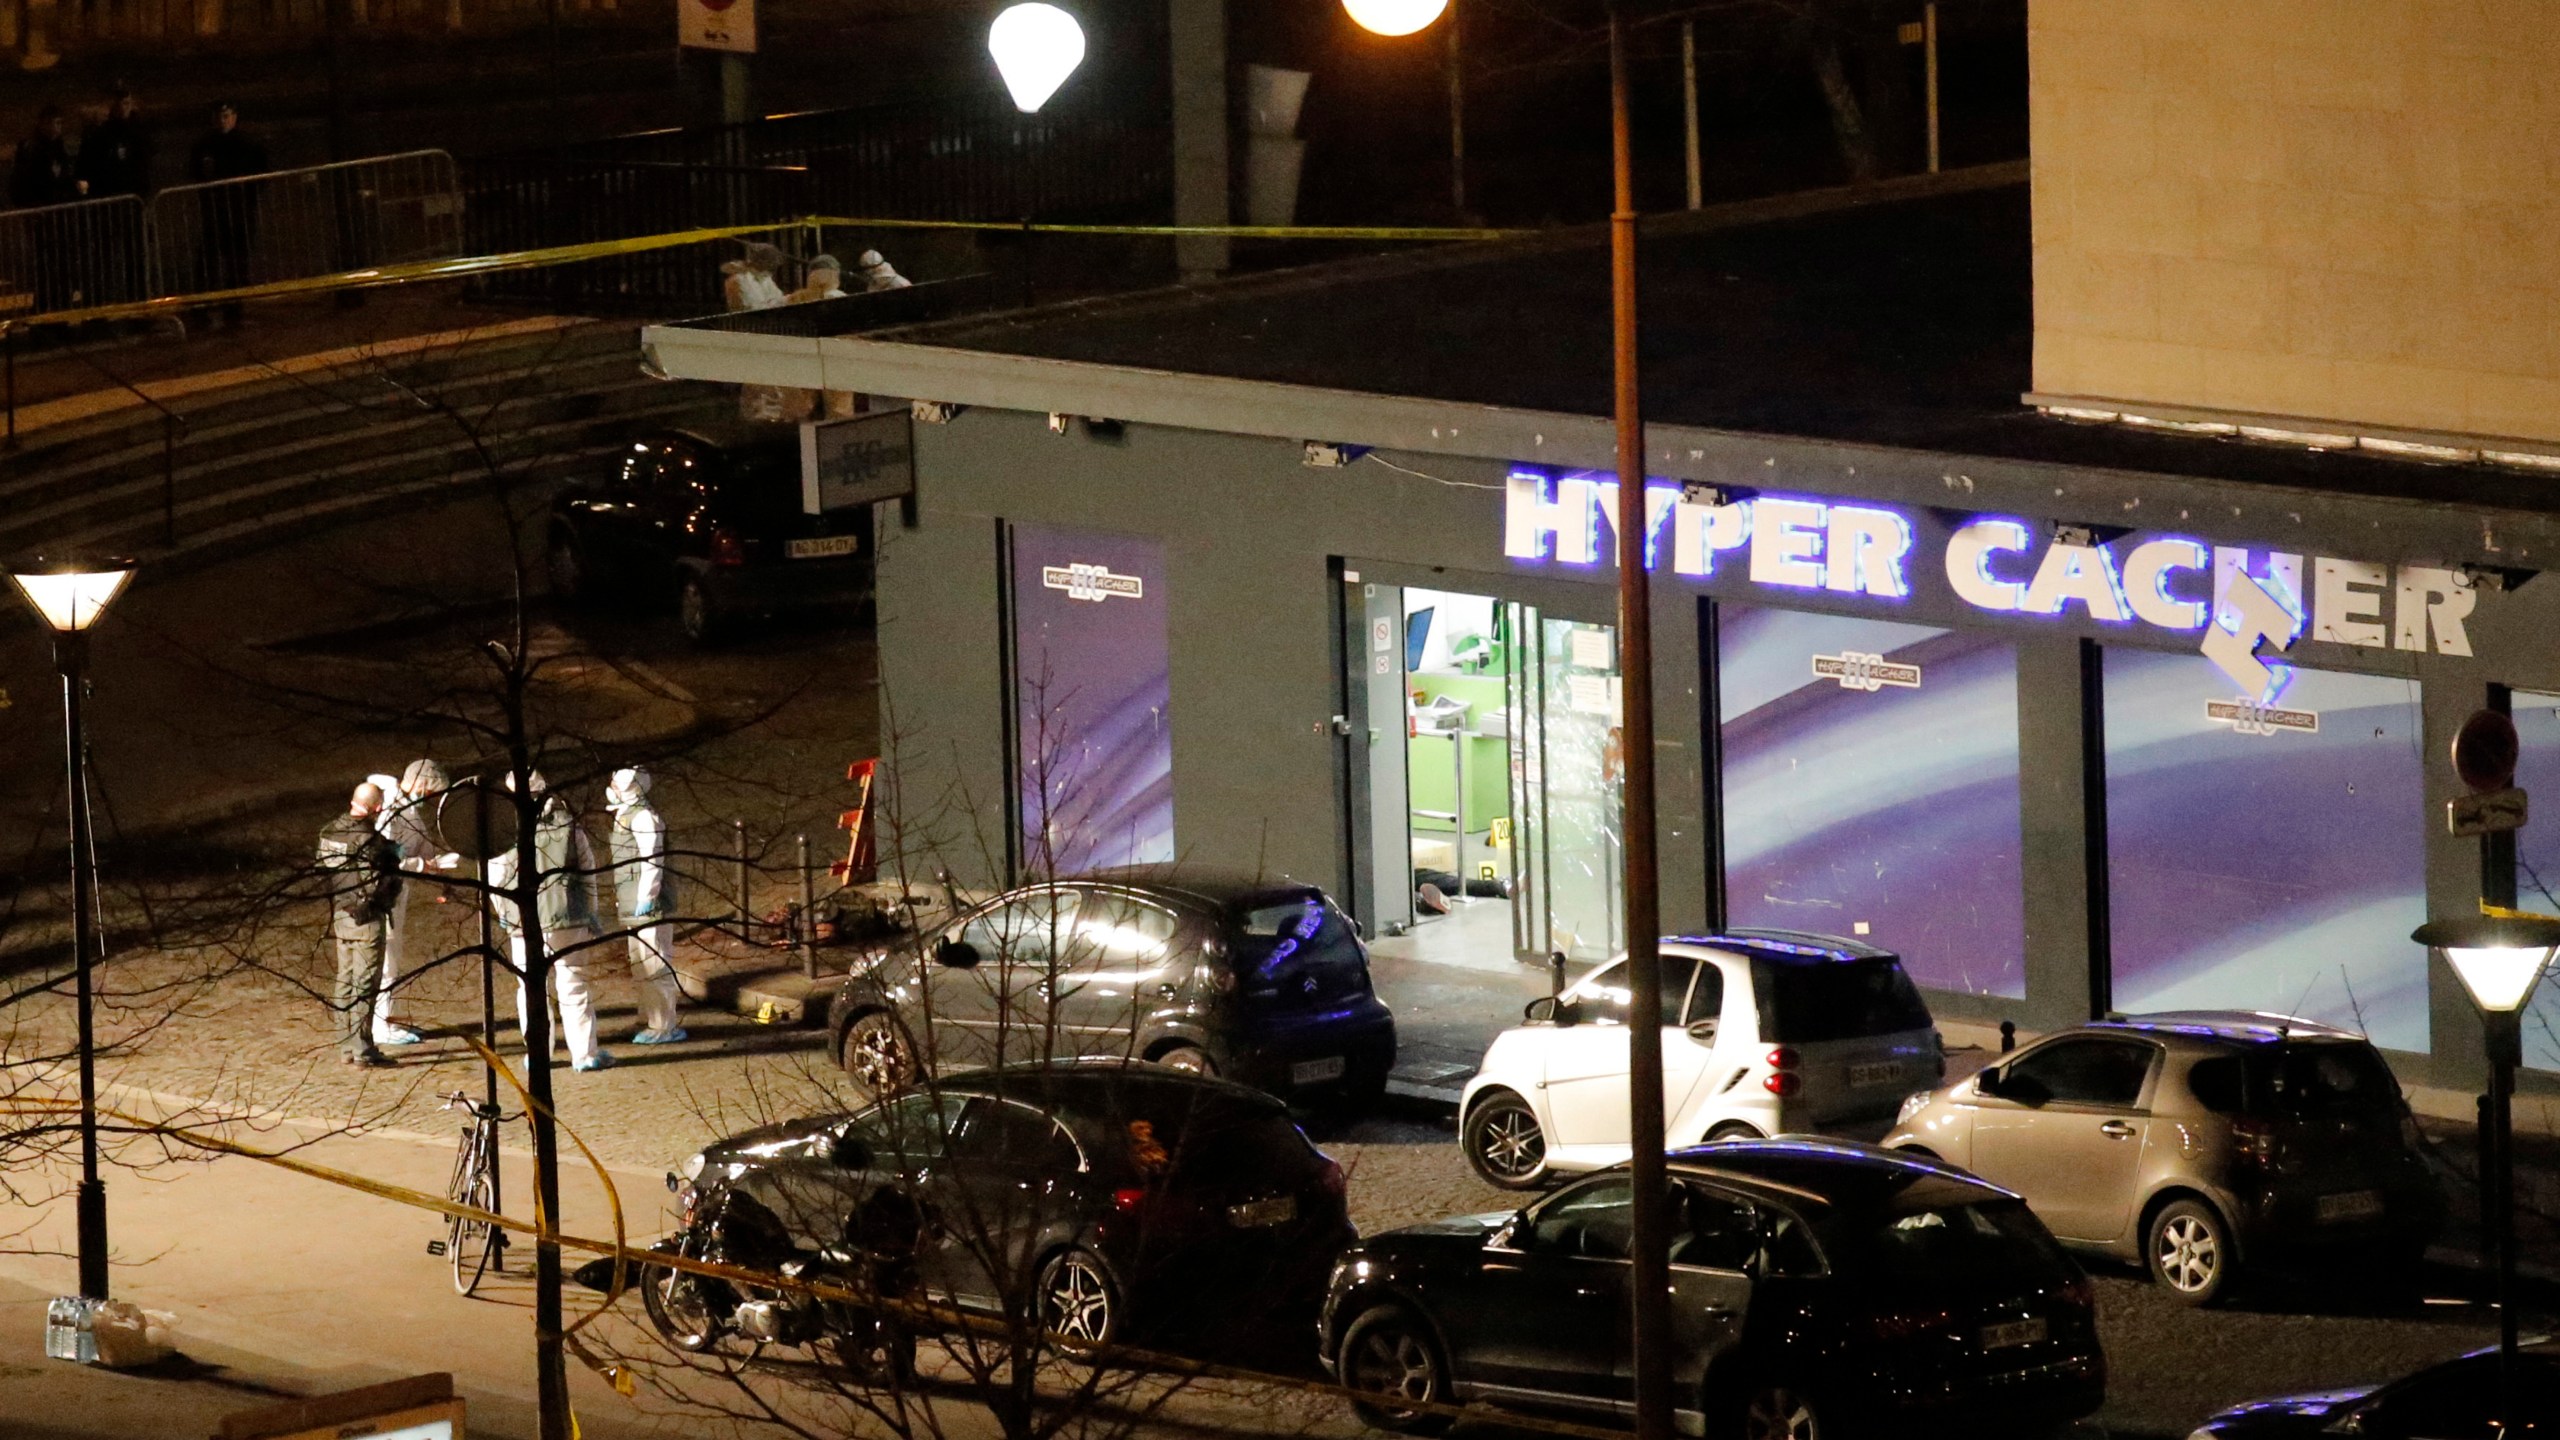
(1567, 861)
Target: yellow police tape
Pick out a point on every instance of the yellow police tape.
(619, 1376)
(466, 266)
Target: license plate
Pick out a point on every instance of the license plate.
(1258, 1214)
(2013, 1334)
(1316, 1072)
(821, 549)
(1875, 1073)
(2352, 1205)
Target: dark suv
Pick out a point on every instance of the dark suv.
(710, 518)
(1256, 981)
(1818, 1286)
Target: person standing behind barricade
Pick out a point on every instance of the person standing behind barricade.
(878, 274)
(747, 283)
(644, 893)
(565, 908)
(46, 174)
(409, 821)
(115, 161)
(824, 280)
(226, 215)
(363, 874)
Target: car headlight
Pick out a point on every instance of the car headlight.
(1913, 1104)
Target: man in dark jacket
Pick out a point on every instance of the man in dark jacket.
(44, 173)
(362, 868)
(226, 215)
(115, 161)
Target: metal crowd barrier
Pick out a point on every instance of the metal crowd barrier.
(294, 224)
(70, 257)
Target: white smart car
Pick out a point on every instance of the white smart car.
(1765, 1032)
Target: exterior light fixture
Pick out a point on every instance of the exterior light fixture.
(1036, 47)
(2499, 958)
(1394, 17)
(70, 593)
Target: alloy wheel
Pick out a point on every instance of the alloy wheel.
(1075, 1303)
(2190, 1254)
(1512, 1144)
(1780, 1412)
(875, 1057)
(1393, 1363)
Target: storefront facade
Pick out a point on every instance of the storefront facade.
(1960, 708)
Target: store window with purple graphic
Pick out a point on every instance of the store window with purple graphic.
(1871, 790)
(1092, 676)
(2538, 855)
(2267, 857)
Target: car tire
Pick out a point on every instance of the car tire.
(876, 1054)
(1735, 1130)
(1389, 1353)
(1189, 1059)
(572, 582)
(1505, 1143)
(2187, 1248)
(1776, 1408)
(697, 617)
(1079, 1306)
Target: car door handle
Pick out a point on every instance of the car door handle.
(1718, 1312)
(2116, 1129)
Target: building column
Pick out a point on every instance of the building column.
(2061, 771)
(1200, 191)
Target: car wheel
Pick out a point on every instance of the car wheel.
(696, 616)
(1078, 1307)
(2190, 1252)
(1778, 1410)
(1389, 1358)
(1506, 1144)
(1735, 1130)
(1190, 1060)
(876, 1054)
(573, 582)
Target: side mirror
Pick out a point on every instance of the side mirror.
(956, 954)
(1703, 1031)
(847, 1153)
(1568, 1012)
(1539, 1010)
(1987, 1082)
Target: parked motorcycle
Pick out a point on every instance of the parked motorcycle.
(695, 1312)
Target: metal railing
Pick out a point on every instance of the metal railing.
(319, 220)
(52, 28)
(66, 257)
(225, 234)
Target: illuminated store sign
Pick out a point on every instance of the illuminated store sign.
(2009, 566)
(1091, 582)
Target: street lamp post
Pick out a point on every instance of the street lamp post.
(2500, 956)
(70, 595)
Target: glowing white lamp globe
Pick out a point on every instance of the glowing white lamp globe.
(70, 594)
(1036, 47)
(2499, 958)
(1394, 17)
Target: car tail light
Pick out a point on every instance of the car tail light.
(1128, 1201)
(1783, 1084)
(727, 549)
(2080, 1295)
(1784, 1058)
(2255, 1140)
(1331, 1180)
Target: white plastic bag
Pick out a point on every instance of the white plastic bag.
(130, 1337)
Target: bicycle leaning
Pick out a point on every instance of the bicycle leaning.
(475, 1247)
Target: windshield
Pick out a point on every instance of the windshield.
(1835, 999)
(1958, 1247)
(2321, 1080)
(1295, 950)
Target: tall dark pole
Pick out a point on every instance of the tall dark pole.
(71, 656)
(2497, 1190)
(1649, 1276)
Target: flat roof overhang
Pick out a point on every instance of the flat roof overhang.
(2238, 512)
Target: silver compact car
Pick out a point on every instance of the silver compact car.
(2195, 1142)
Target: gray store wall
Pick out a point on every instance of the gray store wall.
(1252, 536)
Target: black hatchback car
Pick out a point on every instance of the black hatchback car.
(2457, 1400)
(711, 519)
(1817, 1286)
(1115, 1201)
(1261, 982)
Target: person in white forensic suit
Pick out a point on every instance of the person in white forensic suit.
(408, 820)
(644, 893)
(565, 902)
